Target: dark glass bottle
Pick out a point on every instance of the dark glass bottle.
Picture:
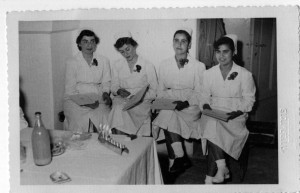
(40, 139)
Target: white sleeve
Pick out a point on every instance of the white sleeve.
(248, 93)
(23, 122)
(195, 97)
(70, 78)
(152, 80)
(115, 85)
(161, 91)
(106, 77)
(205, 91)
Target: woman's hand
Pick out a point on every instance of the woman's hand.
(234, 114)
(107, 99)
(206, 106)
(123, 93)
(181, 105)
(93, 105)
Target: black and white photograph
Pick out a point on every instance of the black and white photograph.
(179, 99)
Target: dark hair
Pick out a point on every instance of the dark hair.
(188, 36)
(126, 40)
(225, 40)
(86, 32)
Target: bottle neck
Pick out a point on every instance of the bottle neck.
(38, 122)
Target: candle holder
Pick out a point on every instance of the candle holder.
(105, 139)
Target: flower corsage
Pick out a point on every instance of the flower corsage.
(95, 62)
(137, 68)
(232, 76)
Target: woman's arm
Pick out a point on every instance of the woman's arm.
(114, 79)
(195, 97)
(23, 122)
(205, 91)
(152, 80)
(106, 77)
(248, 93)
(70, 78)
(161, 91)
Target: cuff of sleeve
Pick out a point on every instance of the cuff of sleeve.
(242, 108)
(114, 91)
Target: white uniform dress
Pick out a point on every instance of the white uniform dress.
(82, 78)
(136, 120)
(227, 95)
(182, 84)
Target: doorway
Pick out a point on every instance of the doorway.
(263, 65)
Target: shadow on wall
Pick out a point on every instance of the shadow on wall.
(22, 99)
(23, 105)
(238, 59)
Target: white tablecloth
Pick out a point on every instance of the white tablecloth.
(95, 164)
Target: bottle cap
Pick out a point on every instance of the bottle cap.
(38, 113)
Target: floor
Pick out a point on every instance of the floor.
(262, 167)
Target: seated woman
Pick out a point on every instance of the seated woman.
(180, 78)
(87, 73)
(230, 88)
(129, 75)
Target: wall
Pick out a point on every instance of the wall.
(44, 47)
(35, 73)
(60, 43)
(240, 27)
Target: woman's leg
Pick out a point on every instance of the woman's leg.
(219, 156)
(211, 165)
(177, 161)
(217, 152)
(169, 141)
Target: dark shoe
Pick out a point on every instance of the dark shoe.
(178, 165)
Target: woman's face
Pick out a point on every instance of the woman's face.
(181, 44)
(224, 54)
(128, 52)
(88, 44)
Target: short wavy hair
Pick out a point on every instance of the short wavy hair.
(225, 41)
(86, 32)
(126, 40)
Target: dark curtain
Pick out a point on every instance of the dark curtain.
(209, 30)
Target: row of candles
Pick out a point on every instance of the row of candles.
(105, 132)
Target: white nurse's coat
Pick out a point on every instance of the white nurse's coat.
(136, 120)
(184, 84)
(81, 78)
(227, 95)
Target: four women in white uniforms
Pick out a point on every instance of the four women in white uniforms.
(87, 73)
(180, 78)
(226, 87)
(230, 88)
(129, 75)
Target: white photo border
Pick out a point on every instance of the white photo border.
(287, 19)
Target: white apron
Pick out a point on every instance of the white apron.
(136, 120)
(82, 78)
(227, 95)
(185, 85)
